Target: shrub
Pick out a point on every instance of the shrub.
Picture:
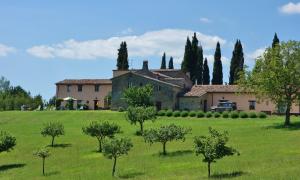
(161, 113)
(192, 114)
(243, 115)
(121, 109)
(208, 114)
(262, 115)
(234, 114)
(252, 115)
(176, 113)
(184, 113)
(217, 114)
(200, 114)
(225, 114)
(169, 113)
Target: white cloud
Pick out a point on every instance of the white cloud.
(127, 31)
(5, 50)
(255, 54)
(205, 20)
(152, 43)
(290, 8)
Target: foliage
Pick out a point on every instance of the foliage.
(166, 134)
(275, 41)
(234, 114)
(58, 103)
(171, 66)
(217, 69)
(225, 114)
(7, 141)
(121, 109)
(138, 96)
(163, 61)
(53, 129)
(176, 113)
(42, 153)
(4, 84)
(70, 104)
(122, 60)
(243, 115)
(206, 77)
(184, 113)
(169, 112)
(213, 147)
(192, 114)
(237, 63)
(262, 115)
(101, 131)
(252, 115)
(161, 112)
(200, 114)
(115, 148)
(217, 115)
(185, 65)
(208, 114)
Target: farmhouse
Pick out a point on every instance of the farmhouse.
(172, 90)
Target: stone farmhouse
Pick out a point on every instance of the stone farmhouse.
(172, 90)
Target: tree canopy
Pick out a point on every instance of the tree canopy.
(53, 129)
(217, 69)
(7, 141)
(206, 76)
(163, 62)
(122, 60)
(138, 96)
(171, 66)
(237, 63)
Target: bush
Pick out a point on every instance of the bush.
(208, 114)
(243, 115)
(161, 113)
(200, 114)
(234, 114)
(192, 114)
(184, 113)
(225, 114)
(176, 113)
(169, 113)
(121, 109)
(217, 114)
(252, 115)
(262, 115)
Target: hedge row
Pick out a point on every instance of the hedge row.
(201, 114)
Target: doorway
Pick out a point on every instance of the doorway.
(96, 107)
(158, 105)
(205, 105)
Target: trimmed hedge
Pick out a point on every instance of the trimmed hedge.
(225, 114)
(217, 114)
(184, 113)
(169, 113)
(243, 115)
(200, 114)
(252, 115)
(262, 115)
(161, 113)
(208, 114)
(176, 113)
(192, 114)
(234, 114)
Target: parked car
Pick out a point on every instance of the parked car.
(224, 105)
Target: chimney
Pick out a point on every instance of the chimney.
(145, 66)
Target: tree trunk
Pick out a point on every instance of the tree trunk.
(52, 142)
(142, 128)
(114, 166)
(100, 144)
(287, 115)
(43, 166)
(164, 148)
(208, 168)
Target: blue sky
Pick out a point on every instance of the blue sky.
(42, 42)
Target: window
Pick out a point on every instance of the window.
(79, 88)
(130, 84)
(68, 88)
(97, 87)
(252, 105)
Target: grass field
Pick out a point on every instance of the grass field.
(268, 151)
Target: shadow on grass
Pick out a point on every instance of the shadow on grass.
(175, 153)
(131, 175)
(52, 173)
(228, 175)
(293, 126)
(11, 166)
(60, 145)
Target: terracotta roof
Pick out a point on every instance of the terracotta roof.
(199, 90)
(85, 81)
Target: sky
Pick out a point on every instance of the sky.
(43, 42)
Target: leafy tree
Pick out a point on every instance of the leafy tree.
(116, 148)
(53, 129)
(140, 114)
(122, 60)
(166, 134)
(206, 77)
(237, 63)
(213, 147)
(171, 66)
(185, 65)
(275, 41)
(101, 131)
(42, 153)
(276, 76)
(4, 84)
(163, 62)
(218, 69)
(7, 142)
(138, 96)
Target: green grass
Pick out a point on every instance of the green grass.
(268, 151)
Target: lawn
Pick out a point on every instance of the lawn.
(267, 150)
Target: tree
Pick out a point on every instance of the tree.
(218, 69)
(199, 65)
(7, 142)
(116, 148)
(237, 63)
(194, 59)
(140, 114)
(276, 76)
(185, 65)
(163, 62)
(4, 84)
(42, 153)
(213, 147)
(138, 96)
(275, 41)
(53, 129)
(166, 134)
(171, 66)
(101, 131)
(206, 77)
(122, 60)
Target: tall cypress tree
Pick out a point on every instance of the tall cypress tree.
(185, 65)
(125, 56)
(199, 65)
(194, 59)
(163, 61)
(171, 66)
(206, 77)
(218, 69)
(122, 60)
(237, 63)
(275, 40)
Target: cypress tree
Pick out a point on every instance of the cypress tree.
(125, 56)
(206, 77)
(237, 62)
(194, 58)
(199, 65)
(122, 60)
(217, 70)
(163, 62)
(171, 66)
(275, 40)
(187, 56)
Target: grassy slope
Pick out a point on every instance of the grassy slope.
(267, 152)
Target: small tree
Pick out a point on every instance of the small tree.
(42, 153)
(116, 148)
(213, 147)
(140, 115)
(7, 142)
(53, 129)
(166, 134)
(100, 131)
(139, 96)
